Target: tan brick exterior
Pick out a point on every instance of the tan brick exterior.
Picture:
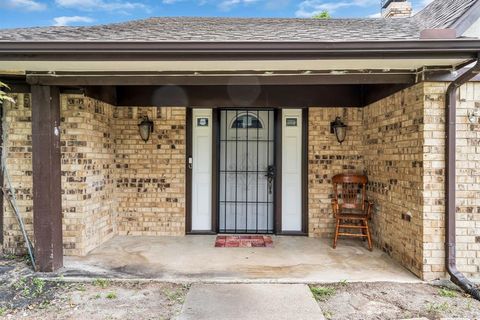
(88, 202)
(467, 180)
(114, 183)
(150, 177)
(327, 157)
(17, 127)
(393, 154)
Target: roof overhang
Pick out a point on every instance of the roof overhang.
(269, 63)
(128, 50)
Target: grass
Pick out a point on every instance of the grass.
(3, 311)
(102, 283)
(39, 285)
(173, 296)
(111, 295)
(328, 315)
(322, 293)
(444, 292)
(81, 287)
(32, 287)
(438, 307)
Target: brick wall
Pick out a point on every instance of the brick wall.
(89, 206)
(393, 157)
(150, 177)
(112, 182)
(17, 128)
(467, 181)
(327, 157)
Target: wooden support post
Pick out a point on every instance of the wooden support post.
(47, 199)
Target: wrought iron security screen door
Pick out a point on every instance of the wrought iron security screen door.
(247, 171)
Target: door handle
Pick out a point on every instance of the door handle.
(270, 176)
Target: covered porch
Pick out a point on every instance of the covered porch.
(100, 192)
(196, 259)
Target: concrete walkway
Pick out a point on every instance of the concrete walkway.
(195, 259)
(250, 301)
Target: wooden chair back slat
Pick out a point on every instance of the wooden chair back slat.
(350, 190)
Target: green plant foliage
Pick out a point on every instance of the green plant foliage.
(102, 283)
(111, 295)
(3, 94)
(322, 15)
(322, 293)
(447, 293)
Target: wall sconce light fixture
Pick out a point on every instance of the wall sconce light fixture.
(339, 129)
(145, 127)
(473, 115)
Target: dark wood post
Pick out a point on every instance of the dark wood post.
(47, 199)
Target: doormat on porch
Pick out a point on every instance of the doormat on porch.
(243, 242)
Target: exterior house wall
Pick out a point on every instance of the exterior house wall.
(114, 183)
(327, 157)
(17, 127)
(88, 202)
(109, 176)
(150, 177)
(393, 155)
(467, 181)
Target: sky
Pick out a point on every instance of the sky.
(30, 13)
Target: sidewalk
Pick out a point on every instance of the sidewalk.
(250, 301)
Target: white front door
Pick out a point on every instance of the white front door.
(201, 166)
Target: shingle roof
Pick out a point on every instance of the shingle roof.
(439, 14)
(443, 13)
(226, 29)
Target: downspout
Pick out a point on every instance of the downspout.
(450, 183)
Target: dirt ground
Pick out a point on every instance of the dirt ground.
(385, 300)
(22, 296)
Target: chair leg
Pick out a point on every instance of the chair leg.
(364, 231)
(337, 229)
(369, 236)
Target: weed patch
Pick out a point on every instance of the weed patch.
(322, 293)
(102, 283)
(444, 292)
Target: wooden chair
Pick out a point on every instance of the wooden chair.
(351, 208)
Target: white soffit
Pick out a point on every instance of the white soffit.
(225, 65)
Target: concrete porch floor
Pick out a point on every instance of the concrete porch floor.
(195, 259)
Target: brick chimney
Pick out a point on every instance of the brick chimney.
(396, 9)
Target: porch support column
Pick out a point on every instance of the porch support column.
(47, 199)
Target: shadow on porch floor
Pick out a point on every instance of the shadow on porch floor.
(194, 258)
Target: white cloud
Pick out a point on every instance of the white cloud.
(92, 5)
(308, 8)
(65, 21)
(375, 15)
(29, 5)
(229, 4)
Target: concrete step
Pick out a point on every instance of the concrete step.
(250, 301)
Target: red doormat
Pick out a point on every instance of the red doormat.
(243, 242)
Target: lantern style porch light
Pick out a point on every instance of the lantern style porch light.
(145, 128)
(339, 129)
